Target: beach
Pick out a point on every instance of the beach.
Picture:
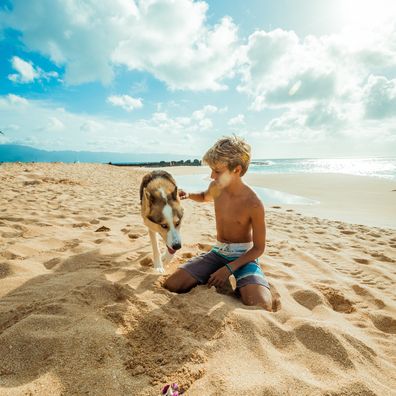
(82, 311)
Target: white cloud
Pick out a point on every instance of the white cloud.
(167, 38)
(126, 102)
(198, 121)
(27, 73)
(39, 120)
(31, 120)
(11, 99)
(92, 127)
(279, 68)
(238, 120)
(55, 125)
(328, 87)
(206, 123)
(379, 97)
(202, 113)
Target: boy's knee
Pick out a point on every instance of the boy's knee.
(172, 285)
(180, 282)
(251, 300)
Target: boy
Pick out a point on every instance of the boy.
(240, 226)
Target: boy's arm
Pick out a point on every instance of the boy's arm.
(259, 234)
(204, 196)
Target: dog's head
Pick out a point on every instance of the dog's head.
(163, 213)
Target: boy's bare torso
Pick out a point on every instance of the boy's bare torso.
(233, 215)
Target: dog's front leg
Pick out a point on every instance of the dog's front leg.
(166, 257)
(156, 252)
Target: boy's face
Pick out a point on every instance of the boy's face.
(222, 175)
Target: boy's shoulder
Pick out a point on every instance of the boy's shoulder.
(252, 200)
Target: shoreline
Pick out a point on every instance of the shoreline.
(365, 200)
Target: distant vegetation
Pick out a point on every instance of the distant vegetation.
(195, 162)
(14, 152)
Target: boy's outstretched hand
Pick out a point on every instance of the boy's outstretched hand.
(219, 278)
(183, 194)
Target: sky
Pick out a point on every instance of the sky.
(295, 79)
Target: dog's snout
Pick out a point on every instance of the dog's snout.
(176, 246)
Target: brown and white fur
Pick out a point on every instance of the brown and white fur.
(162, 213)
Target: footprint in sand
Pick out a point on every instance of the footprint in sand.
(80, 225)
(187, 255)
(52, 263)
(146, 262)
(321, 340)
(308, 298)
(374, 234)
(134, 236)
(94, 221)
(382, 257)
(103, 229)
(329, 247)
(276, 207)
(383, 322)
(361, 260)
(5, 270)
(348, 232)
(336, 299)
(363, 292)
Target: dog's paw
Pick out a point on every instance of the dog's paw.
(159, 267)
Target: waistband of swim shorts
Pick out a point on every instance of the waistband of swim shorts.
(232, 249)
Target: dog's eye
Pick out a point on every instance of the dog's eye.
(177, 224)
(164, 226)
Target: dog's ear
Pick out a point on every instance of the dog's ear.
(148, 197)
(148, 201)
(175, 195)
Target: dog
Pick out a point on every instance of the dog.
(162, 213)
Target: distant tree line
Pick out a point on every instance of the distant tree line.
(158, 164)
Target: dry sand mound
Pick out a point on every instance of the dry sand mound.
(83, 312)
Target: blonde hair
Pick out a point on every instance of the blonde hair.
(230, 150)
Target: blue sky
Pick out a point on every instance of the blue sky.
(303, 78)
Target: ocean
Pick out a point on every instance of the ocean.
(376, 167)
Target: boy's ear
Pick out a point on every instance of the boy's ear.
(238, 169)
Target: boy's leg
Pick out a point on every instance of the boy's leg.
(253, 286)
(180, 282)
(195, 271)
(257, 295)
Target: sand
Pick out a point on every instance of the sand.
(82, 311)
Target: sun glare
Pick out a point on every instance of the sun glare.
(366, 13)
